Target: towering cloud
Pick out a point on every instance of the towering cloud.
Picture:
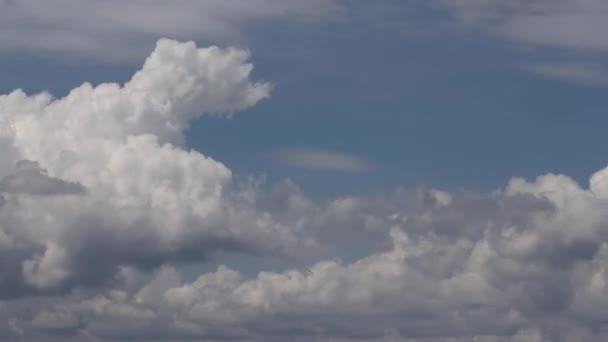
(101, 177)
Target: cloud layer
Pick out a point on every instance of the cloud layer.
(115, 30)
(524, 264)
(572, 24)
(573, 27)
(102, 203)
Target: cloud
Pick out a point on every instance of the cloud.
(33, 180)
(585, 74)
(148, 200)
(118, 30)
(527, 263)
(569, 24)
(318, 159)
(523, 263)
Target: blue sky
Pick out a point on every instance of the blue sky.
(427, 102)
(391, 170)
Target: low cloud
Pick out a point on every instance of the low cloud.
(524, 263)
(324, 160)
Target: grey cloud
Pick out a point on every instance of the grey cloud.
(31, 179)
(423, 210)
(506, 266)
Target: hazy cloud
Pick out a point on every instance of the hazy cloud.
(118, 30)
(325, 160)
(586, 74)
(570, 24)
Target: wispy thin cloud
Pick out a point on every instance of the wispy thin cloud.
(581, 73)
(569, 24)
(124, 30)
(324, 160)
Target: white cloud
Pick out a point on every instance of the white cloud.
(318, 159)
(527, 263)
(148, 200)
(119, 30)
(586, 74)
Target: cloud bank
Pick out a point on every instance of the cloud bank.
(102, 203)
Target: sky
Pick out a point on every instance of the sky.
(320, 170)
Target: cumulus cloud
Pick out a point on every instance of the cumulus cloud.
(148, 200)
(319, 159)
(33, 180)
(119, 30)
(102, 203)
(527, 263)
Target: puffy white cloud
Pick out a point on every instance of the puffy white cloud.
(137, 196)
(125, 202)
(598, 184)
